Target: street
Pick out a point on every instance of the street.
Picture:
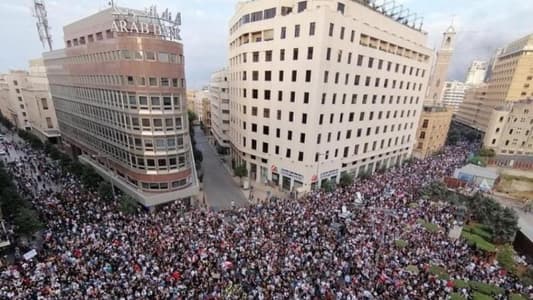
(219, 187)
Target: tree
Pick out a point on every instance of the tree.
(127, 204)
(327, 186)
(105, 191)
(192, 116)
(346, 179)
(240, 171)
(27, 221)
(505, 225)
(89, 177)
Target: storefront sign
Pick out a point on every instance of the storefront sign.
(329, 174)
(149, 22)
(291, 174)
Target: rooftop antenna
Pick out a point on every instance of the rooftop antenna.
(39, 12)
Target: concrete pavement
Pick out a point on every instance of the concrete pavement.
(218, 185)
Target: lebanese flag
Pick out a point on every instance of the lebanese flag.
(176, 275)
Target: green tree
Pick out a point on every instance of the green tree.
(240, 171)
(105, 191)
(127, 204)
(346, 179)
(89, 177)
(327, 186)
(504, 225)
(192, 116)
(27, 221)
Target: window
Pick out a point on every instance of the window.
(268, 55)
(280, 75)
(291, 116)
(289, 135)
(282, 54)
(268, 75)
(266, 130)
(306, 97)
(265, 147)
(302, 5)
(328, 53)
(254, 144)
(304, 118)
(340, 8)
(294, 73)
(152, 81)
(302, 138)
(267, 95)
(296, 30)
(309, 52)
(295, 54)
(44, 103)
(370, 62)
(326, 74)
(359, 60)
(312, 28)
(266, 113)
(283, 32)
(270, 13)
(356, 79)
(300, 156)
(342, 33)
(255, 56)
(49, 122)
(308, 76)
(331, 29)
(288, 153)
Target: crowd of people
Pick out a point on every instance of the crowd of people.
(321, 246)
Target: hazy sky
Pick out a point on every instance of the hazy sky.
(483, 26)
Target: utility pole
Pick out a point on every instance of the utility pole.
(39, 12)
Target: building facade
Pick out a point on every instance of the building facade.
(119, 93)
(206, 114)
(318, 88)
(511, 80)
(453, 95)
(432, 130)
(220, 114)
(510, 130)
(477, 73)
(26, 102)
(439, 72)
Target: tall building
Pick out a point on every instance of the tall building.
(26, 101)
(510, 130)
(477, 73)
(206, 114)
(119, 93)
(318, 88)
(220, 115)
(435, 118)
(453, 94)
(439, 72)
(511, 80)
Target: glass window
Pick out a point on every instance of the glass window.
(155, 101)
(150, 55)
(163, 57)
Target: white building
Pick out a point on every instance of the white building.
(220, 115)
(476, 72)
(321, 87)
(453, 94)
(25, 100)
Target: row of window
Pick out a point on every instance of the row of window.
(361, 61)
(346, 151)
(120, 80)
(119, 99)
(124, 55)
(365, 99)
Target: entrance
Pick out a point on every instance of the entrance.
(253, 171)
(286, 184)
(275, 178)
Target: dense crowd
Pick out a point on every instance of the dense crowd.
(322, 246)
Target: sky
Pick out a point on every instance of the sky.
(482, 27)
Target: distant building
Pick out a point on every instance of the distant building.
(220, 110)
(511, 80)
(435, 118)
(476, 73)
(453, 94)
(432, 130)
(510, 130)
(206, 114)
(25, 100)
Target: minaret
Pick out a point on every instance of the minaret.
(440, 69)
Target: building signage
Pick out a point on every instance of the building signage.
(329, 174)
(147, 22)
(291, 174)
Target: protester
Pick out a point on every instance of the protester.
(323, 246)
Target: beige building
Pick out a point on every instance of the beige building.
(25, 100)
(435, 118)
(453, 95)
(432, 131)
(318, 88)
(206, 114)
(191, 100)
(477, 73)
(220, 115)
(510, 130)
(119, 94)
(511, 80)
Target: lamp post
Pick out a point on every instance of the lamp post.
(317, 169)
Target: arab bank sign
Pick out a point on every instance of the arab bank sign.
(147, 22)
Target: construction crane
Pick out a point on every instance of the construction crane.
(39, 12)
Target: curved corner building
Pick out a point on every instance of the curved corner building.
(119, 93)
(322, 87)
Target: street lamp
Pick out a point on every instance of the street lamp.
(317, 169)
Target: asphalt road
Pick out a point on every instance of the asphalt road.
(219, 186)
